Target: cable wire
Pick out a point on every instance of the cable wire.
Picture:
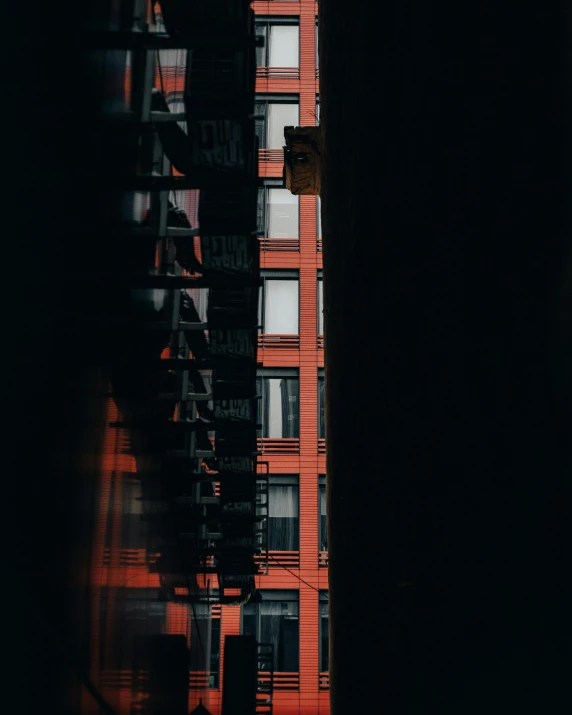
(320, 591)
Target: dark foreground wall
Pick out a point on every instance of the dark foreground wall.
(447, 279)
(53, 238)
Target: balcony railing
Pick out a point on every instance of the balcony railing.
(320, 341)
(285, 445)
(280, 244)
(267, 340)
(275, 156)
(324, 681)
(323, 559)
(277, 73)
(277, 559)
(282, 681)
(319, 243)
(317, 73)
(130, 557)
(321, 446)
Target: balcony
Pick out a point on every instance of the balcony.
(282, 681)
(285, 445)
(277, 559)
(289, 245)
(319, 244)
(277, 73)
(323, 559)
(320, 342)
(130, 557)
(322, 446)
(278, 341)
(275, 156)
(324, 681)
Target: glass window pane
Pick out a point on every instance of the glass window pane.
(284, 50)
(321, 425)
(318, 214)
(280, 116)
(283, 209)
(320, 307)
(323, 527)
(324, 635)
(262, 31)
(281, 307)
(283, 514)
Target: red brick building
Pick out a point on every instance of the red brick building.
(292, 613)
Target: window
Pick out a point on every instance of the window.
(278, 404)
(135, 612)
(275, 620)
(317, 109)
(278, 212)
(320, 294)
(322, 526)
(215, 654)
(283, 513)
(324, 635)
(134, 530)
(316, 47)
(281, 43)
(272, 115)
(318, 217)
(278, 304)
(321, 420)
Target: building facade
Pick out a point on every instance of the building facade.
(292, 611)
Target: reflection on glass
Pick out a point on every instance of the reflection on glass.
(278, 407)
(280, 116)
(275, 622)
(281, 307)
(283, 518)
(283, 209)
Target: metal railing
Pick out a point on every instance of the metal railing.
(268, 340)
(320, 341)
(319, 243)
(286, 445)
(282, 681)
(280, 244)
(277, 73)
(321, 446)
(282, 558)
(323, 559)
(324, 681)
(274, 156)
(265, 678)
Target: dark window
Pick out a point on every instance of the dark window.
(283, 514)
(320, 307)
(324, 636)
(271, 118)
(215, 653)
(281, 46)
(275, 621)
(132, 613)
(323, 530)
(318, 217)
(278, 304)
(278, 404)
(134, 529)
(321, 420)
(278, 212)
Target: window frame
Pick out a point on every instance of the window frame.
(321, 490)
(276, 373)
(285, 480)
(321, 404)
(323, 600)
(278, 596)
(320, 309)
(267, 21)
(261, 114)
(290, 274)
(263, 214)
